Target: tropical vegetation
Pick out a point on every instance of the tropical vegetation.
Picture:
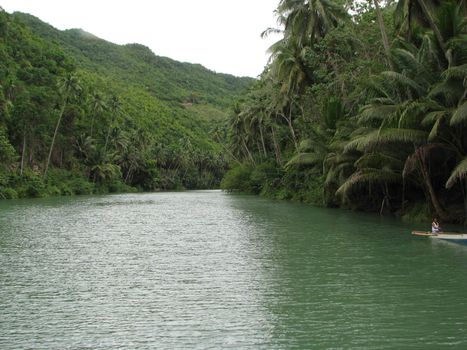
(81, 115)
(363, 106)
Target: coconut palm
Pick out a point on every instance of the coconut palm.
(238, 132)
(397, 118)
(114, 107)
(67, 86)
(98, 106)
(306, 21)
(384, 35)
(408, 13)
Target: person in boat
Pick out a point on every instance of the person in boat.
(435, 227)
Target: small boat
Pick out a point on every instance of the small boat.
(456, 237)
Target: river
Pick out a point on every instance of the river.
(210, 270)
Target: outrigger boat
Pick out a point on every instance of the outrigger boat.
(455, 237)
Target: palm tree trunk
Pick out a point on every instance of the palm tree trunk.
(292, 131)
(109, 129)
(277, 150)
(128, 174)
(230, 153)
(92, 125)
(338, 77)
(23, 152)
(443, 215)
(465, 201)
(262, 141)
(384, 35)
(434, 27)
(248, 151)
(62, 110)
(106, 142)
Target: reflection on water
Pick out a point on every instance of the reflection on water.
(204, 269)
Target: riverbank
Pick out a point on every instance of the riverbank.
(59, 182)
(308, 186)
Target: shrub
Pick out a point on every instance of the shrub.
(238, 178)
(418, 212)
(8, 193)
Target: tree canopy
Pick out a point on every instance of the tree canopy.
(82, 115)
(363, 105)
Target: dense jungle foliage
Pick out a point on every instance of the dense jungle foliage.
(82, 115)
(363, 106)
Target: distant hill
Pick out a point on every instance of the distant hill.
(109, 115)
(163, 77)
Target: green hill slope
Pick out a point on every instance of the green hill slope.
(104, 117)
(163, 77)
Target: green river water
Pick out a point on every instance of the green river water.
(209, 270)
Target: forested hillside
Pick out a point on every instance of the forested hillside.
(363, 105)
(82, 115)
(163, 77)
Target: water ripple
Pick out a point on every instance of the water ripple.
(207, 270)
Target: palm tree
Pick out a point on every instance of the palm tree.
(306, 21)
(115, 106)
(393, 120)
(67, 86)
(384, 36)
(98, 106)
(238, 134)
(459, 172)
(423, 12)
(288, 67)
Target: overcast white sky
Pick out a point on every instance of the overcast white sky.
(222, 35)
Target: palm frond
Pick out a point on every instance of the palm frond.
(363, 142)
(455, 72)
(368, 176)
(385, 136)
(428, 54)
(305, 159)
(420, 155)
(337, 173)
(406, 60)
(459, 172)
(375, 87)
(434, 130)
(412, 113)
(382, 101)
(372, 112)
(270, 31)
(433, 117)
(460, 115)
(404, 80)
(378, 159)
(448, 90)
